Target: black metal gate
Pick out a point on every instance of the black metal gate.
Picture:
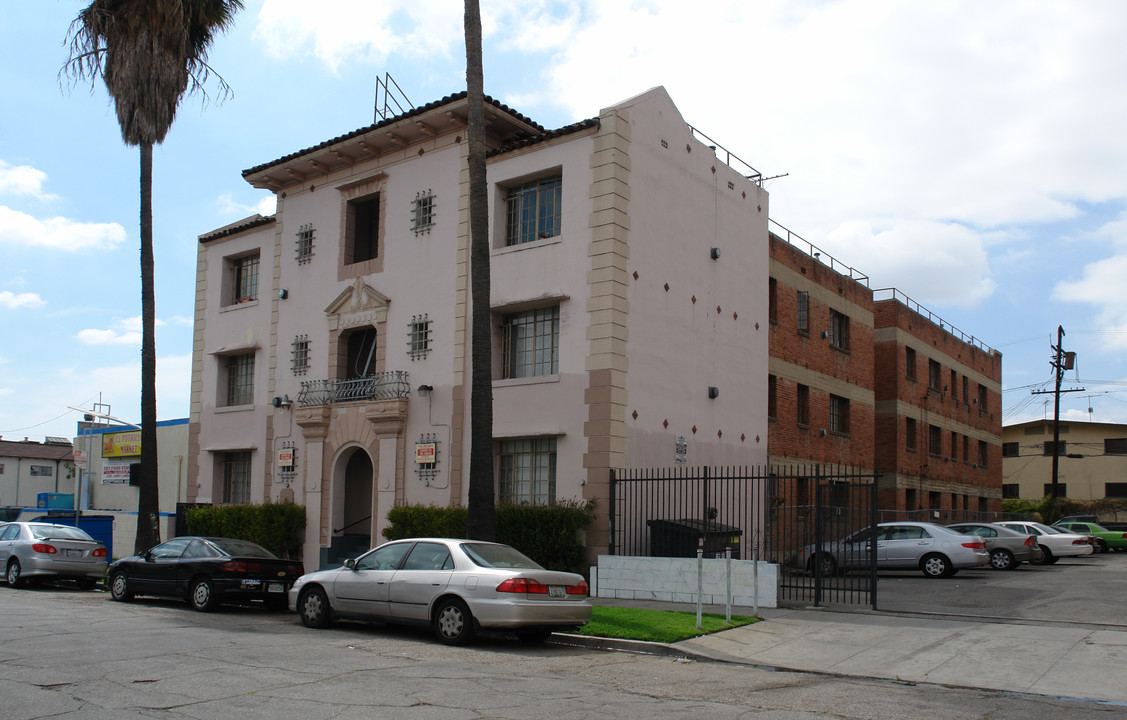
(818, 534)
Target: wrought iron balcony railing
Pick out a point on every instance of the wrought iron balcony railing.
(382, 386)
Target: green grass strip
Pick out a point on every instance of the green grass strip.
(661, 626)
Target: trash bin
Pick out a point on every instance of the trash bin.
(9, 514)
(679, 538)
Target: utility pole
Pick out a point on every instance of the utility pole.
(1061, 361)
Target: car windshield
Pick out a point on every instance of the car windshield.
(241, 548)
(58, 532)
(498, 556)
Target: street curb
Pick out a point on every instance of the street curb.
(638, 647)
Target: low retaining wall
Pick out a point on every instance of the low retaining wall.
(675, 580)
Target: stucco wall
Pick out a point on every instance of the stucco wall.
(676, 580)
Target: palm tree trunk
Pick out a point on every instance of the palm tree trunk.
(480, 524)
(148, 530)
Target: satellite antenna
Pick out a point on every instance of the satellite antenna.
(389, 93)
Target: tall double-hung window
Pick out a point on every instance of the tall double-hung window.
(531, 343)
(533, 210)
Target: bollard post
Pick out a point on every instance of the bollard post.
(700, 579)
(728, 571)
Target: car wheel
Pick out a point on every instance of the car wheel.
(936, 566)
(533, 636)
(119, 587)
(1002, 560)
(1101, 546)
(201, 596)
(313, 606)
(453, 623)
(15, 579)
(829, 565)
(1047, 557)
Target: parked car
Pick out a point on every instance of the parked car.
(933, 549)
(1105, 539)
(1008, 548)
(457, 587)
(1106, 524)
(1054, 544)
(33, 551)
(206, 572)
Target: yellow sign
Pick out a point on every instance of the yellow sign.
(122, 444)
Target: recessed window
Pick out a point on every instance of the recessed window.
(772, 396)
(422, 212)
(910, 363)
(418, 337)
(1011, 491)
(41, 471)
(1010, 449)
(803, 311)
(240, 379)
(304, 244)
(533, 210)
(773, 300)
(362, 229)
(983, 453)
(983, 398)
(839, 330)
(235, 469)
(1115, 446)
(803, 404)
(244, 278)
(527, 471)
(530, 343)
(1062, 448)
(839, 415)
(300, 355)
(910, 433)
(1115, 490)
(934, 440)
(359, 353)
(1062, 489)
(933, 372)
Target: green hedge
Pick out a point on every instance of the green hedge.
(1047, 513)
(549, 534)
(278, 527)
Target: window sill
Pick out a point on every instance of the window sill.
(840, 434)
(239, 305)
(542, 242)
(804, 426)
(842, 350)
(535, 380)
(233, 408)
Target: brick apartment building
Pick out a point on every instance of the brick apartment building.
(880, 385)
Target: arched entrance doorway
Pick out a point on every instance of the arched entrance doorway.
(353, 479)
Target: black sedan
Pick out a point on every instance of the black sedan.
(206, 572)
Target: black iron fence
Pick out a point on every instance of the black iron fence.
(669, 512)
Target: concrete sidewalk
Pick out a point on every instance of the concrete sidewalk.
(1070, 660)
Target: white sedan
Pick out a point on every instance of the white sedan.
(457, 587)
(1054, 544)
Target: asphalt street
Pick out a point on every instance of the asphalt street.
(71, 654)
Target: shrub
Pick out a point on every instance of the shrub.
(549, 534)
(278, 527)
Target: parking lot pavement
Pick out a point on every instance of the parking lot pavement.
(1054, 630)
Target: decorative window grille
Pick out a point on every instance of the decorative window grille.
(305, 243)
(236, 477)
(287, 473)
(418, 337)
(240, 379)
(426, 447)
(300, 354)
(422, 212)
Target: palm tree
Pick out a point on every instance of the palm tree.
(149, 53)
(480, 522)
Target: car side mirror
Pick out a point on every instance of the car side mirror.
(350, 563)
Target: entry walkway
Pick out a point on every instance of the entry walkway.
(1071, 660)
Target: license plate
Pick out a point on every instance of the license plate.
(557, 591)
(251, 583)
(74, 553)
(276, 588)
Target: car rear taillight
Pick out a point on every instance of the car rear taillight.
(234, 566)
(976, 545)
(580, 589)
(1031, 541)
(44, 548)
(99, 552)
(522, 585)
(295, 569)
(1081, 541)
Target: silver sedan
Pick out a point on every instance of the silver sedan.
(1008, 548)
(930, 548)
(32, 551)
(457, 587)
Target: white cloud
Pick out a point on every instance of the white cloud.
(23, 180)
(13, 301)
(58, 233)
(1103, 284)
(108, 337)
(266, 206)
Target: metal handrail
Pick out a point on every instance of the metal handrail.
(818, 254)
(745, 169)
(382, 386)
(894, 294)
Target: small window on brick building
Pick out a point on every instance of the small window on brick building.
(772, 396)
(803, 405)
(983, 404)
(966, 394)
(773, 300)
(839, 415)
(954, 445)
(983, 453)
(839, 330)
(910, 433)
(933, 370)
(934, 440)
(910, 363)
(803, 312)
(954, 387)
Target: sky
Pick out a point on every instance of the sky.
(972, 155)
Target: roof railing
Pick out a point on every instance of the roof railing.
(818, 254)
(729, 158)
(894, 294)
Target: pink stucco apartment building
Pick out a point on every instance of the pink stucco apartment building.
(331, 349)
